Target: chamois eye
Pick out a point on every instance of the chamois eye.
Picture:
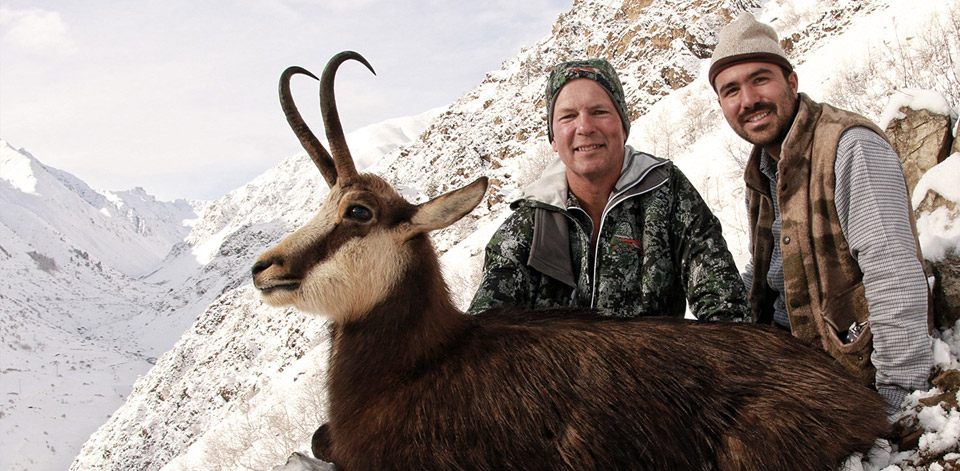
(358, 213)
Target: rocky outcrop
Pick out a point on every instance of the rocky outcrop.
(946, 292)
(944, 268)
(923, 139)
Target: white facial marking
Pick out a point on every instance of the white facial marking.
(356, 278)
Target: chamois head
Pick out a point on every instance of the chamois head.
(350, 255)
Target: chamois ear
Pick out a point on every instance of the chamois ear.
(448, 208)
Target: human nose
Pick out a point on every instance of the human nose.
(585, 124)
(748, 97)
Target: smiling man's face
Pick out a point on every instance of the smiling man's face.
(588, 134)
(759, 102)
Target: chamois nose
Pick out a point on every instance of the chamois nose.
(260, 266)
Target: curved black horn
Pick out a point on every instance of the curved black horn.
(346, 169)
(308, 140)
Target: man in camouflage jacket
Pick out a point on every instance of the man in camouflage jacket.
(646, 246)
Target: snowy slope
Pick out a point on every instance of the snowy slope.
(77, 330)
(66, 256)
(242, 388)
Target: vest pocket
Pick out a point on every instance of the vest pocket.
(839, 313)
(855, 356)
(847, 307)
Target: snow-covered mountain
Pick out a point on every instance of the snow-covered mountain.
(243, 386)
(98, 284)
(46, 202)
(68, 255)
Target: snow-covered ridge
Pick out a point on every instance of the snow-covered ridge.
(108, 225)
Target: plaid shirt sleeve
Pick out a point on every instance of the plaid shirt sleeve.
(873, 209)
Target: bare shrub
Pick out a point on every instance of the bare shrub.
(735, 149)
(43, 262)
(927, 60)
(855, 85)
(464, 279)
(260, 437)
(530, 166)
(793, 18)
(700, 115)
(663, 134)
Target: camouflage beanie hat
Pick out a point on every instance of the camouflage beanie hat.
(746, 40)
(599, 71)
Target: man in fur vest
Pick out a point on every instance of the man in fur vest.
(835, 258)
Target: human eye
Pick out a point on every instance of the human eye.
(729, 92)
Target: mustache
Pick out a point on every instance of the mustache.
(763, 106)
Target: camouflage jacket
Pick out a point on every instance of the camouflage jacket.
(659, 246)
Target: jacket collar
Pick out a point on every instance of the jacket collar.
(551, 188)
(550, 247)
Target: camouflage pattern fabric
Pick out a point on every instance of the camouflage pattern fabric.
(656, 250)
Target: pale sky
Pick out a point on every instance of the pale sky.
(180, 97)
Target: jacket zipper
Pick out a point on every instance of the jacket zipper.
(603, 218)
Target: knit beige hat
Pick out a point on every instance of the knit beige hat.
(746, 40)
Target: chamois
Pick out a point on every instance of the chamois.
(414, 383)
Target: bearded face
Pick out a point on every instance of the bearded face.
(759, 102)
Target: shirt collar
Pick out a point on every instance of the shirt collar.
(767, 165)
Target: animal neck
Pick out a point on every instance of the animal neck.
(410, 328)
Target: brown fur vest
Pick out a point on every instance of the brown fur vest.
(823, 282)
